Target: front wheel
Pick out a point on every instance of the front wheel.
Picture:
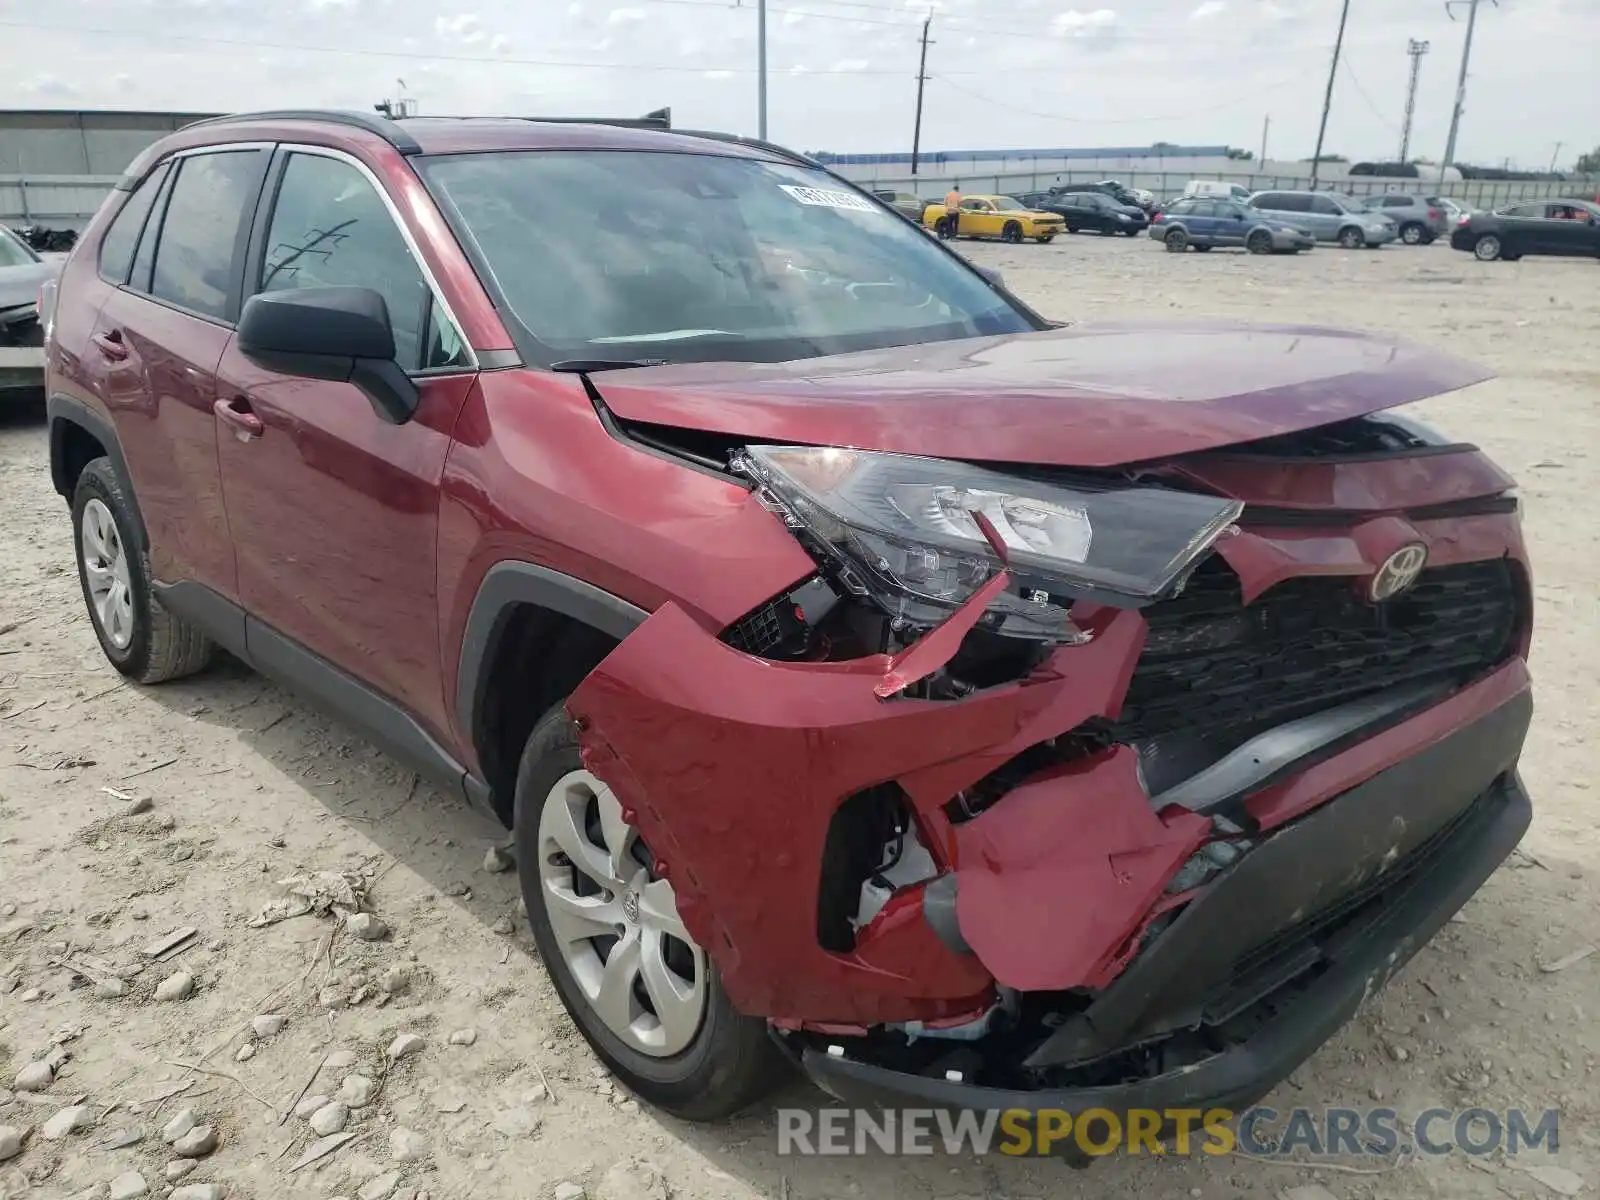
(643, 993)
(140, 638)
(1046, 239)
(1352, 238)
(1487, 248)
(1259, 242)
(1414, 234)
(1011, 233)
(1177, 240)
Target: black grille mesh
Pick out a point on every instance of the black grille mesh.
(1215, 666)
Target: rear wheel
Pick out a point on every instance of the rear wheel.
(1177, 240)
(1011, 233)
(1046, 239)
(1352, 238)
(644, 995)
(1259, 242)
(1487, 248)
(1414, 233)
(140, 638)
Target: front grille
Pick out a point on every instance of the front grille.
(1222, 670)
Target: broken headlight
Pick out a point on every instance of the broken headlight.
(901, 531)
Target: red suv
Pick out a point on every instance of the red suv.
(970, 709)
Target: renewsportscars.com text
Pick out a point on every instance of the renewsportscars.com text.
(1259, 1131)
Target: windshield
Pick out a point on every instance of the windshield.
(612, 254)
(12, 252)
(1007, 204)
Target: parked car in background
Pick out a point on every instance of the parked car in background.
(1568, 228)
(1106, 187)
(999, 217)
(1202, 222)
(1216, 188)
(1328, 217)
(1420, 219)
(1455, 209)
(22, 273)
(904, 203)
(1060, 781)
(1094, 211)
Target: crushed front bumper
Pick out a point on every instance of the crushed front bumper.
(1274, 957)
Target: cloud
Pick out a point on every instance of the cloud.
(719, 75)
(851, 65)
(1073, 23)
(625, 16)
(1210, 8)
(793, 17)
(464, 29)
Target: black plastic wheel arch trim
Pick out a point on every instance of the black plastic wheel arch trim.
(62, 411)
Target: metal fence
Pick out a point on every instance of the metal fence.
(1480, 193)
(58, 201)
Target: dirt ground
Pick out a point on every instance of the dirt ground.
(248, 785)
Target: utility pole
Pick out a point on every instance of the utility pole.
(761, 69)
(922, 78)
(1416, 50)
(1327, 99)
(1461, 83)
(1266, 124)
(1555, 155)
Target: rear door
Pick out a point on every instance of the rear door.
(1202, 221)
(1325, 216)
(1231, 222)
(334, 510)
(156, 344)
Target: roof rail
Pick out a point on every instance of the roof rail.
(740, 140)
(388, 130)
(661, 118)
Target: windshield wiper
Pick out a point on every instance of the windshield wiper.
(587, 365)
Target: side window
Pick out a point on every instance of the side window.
(1273, 200)
(1323, 206)
(199, 244)
(116, 248)
(330, 228)
(1182, 208)
(1397, 201)
(1290, 202)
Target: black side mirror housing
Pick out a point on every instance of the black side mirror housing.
(341, 334)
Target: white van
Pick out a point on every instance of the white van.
(1215, 188)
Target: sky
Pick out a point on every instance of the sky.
(841, 73)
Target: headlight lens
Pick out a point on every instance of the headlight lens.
(901, 531)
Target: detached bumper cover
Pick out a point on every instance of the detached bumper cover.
(1357, 959)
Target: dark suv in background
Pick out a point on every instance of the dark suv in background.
(874, 674)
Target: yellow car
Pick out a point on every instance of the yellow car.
(995, 217)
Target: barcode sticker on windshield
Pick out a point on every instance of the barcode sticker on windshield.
(827, 198)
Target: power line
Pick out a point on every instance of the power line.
(1350, 74)
(1057, 116)
(1416, 50)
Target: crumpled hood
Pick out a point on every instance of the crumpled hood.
(1092, 395)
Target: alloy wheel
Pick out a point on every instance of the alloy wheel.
(616, 921)
(105, 567)
(1488, 248)
(1351, 239)
(1411, 235)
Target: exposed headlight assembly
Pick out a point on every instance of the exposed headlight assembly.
(901, 532)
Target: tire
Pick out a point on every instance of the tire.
(1132, 232)
(1352, 238)
(730, 1061)
(1487, 248)
(139, 637)
(1072, 229)
(1414, 233)
(1011, 233)
(1177, 240)
(1259, 242)
(1202, 247)
(1047, 239)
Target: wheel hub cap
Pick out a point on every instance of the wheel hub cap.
(105, 571)
(616, 921)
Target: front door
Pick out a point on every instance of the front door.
(334, 509)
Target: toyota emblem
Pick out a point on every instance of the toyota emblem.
(1399, 571)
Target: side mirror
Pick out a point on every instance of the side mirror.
(992, 275)
(341, 334)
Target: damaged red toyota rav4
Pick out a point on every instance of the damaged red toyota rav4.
(972, 710)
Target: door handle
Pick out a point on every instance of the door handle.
(111, 345)
(236, 412)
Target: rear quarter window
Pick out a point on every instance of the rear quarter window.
(116, 248)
